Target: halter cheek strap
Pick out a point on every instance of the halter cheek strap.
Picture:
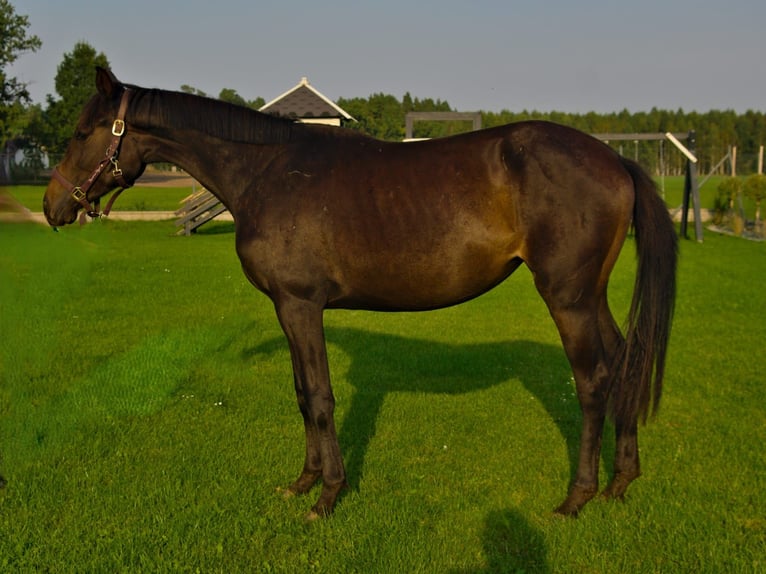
(80, 192)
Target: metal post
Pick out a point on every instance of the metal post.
(691, 192)
(693, 188)
(685, 203)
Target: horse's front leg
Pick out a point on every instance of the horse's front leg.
(312, 466)
(302, 324)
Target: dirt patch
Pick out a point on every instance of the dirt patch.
(12, 210)
(155, 178)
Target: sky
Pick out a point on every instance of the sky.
(572, 56)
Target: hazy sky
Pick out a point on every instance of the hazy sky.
(573, 55)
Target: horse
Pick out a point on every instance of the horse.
(327, 218)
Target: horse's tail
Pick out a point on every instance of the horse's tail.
(640, 363)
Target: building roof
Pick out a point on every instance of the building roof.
(304, 101)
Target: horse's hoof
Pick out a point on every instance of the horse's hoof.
(619, 485)
(578, 497)
(612, 494)
(566, 511)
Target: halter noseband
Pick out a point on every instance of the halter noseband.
(80, 192)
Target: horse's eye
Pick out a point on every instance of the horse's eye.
(80, 136)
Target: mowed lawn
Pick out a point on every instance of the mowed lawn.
(147, 418)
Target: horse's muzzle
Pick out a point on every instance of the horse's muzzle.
(56, 217)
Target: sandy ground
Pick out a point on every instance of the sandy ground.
(11, 210)
(154, 178)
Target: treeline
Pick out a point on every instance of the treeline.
(383, 116)
(44, 130)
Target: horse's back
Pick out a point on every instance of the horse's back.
(429, 224)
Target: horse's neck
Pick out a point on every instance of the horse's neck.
(201, 160)
(209, 154)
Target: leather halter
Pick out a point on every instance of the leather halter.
(80, 192)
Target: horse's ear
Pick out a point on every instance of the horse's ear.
(106, 82)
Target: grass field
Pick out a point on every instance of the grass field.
(147, 418)
(138, 198)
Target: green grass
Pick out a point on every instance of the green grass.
(134, 199)
(672, 189)
(147, 417)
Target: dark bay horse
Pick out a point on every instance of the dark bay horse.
(328, 218)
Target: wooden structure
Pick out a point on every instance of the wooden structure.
(197, 209)
(412, 117)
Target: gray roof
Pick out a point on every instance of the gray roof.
(304, 101)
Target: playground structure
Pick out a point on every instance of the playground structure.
(691, 197)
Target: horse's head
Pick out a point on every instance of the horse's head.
(101, 156)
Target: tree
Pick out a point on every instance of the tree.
(755, 189)
(187, 89)
(231, 96)
(728, 191)
(257, 103)
(380, 115)
(75, 86)
(14, 41)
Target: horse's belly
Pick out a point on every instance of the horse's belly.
(418, 283)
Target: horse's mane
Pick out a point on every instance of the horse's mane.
(175, 110)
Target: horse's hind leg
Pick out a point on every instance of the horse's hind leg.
(577, 319)
(626, 461)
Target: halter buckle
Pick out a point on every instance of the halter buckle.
(116, 170)
(118, 128)
(78, 194)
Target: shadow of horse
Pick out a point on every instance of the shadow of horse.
(511, 544)
(383, 363)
